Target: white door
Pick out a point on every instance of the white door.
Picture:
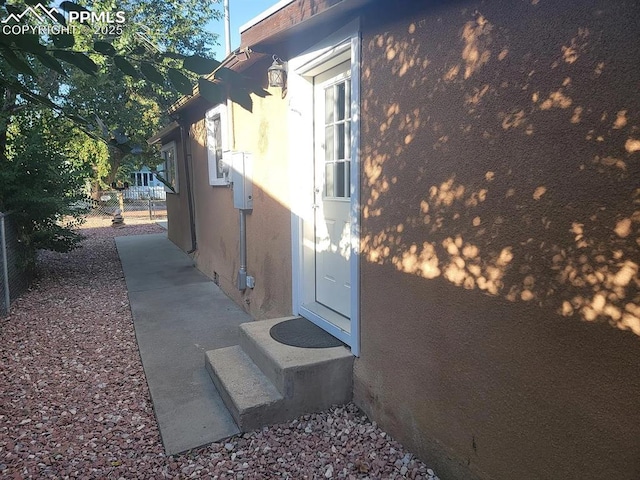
(332, 192)
(324, 124)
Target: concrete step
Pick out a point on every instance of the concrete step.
(247, 393)
(263, 381)
(310, 379)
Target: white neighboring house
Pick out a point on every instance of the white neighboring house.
(144, 184)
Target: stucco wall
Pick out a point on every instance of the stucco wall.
(264, 134)
(268, 225)
(500, 304)
(178, 224)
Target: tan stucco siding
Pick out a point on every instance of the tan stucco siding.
(216, 220)
(178, 223)
(263, 134)
(500, 304)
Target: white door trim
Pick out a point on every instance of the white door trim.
(343, 45)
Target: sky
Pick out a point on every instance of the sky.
(240, 12)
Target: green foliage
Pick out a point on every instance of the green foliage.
(38, 182)
(163, 43)
(142, 71)
(115, 89)
(90, 155)
(200, 65)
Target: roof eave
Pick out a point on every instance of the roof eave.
(233, 61)
(163, 133)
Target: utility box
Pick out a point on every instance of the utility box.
(241, 176)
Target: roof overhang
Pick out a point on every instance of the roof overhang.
(278, 26)
(266, 14)
(258, 36)
(163, 133)
(239, 60)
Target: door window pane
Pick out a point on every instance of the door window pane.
(328, 144)
(329, 105)
(340, 89)
(329, 179)
(347, 178)
(337, 140)
(347, 141)
(347, 99)
(340, 142)
(340, 177)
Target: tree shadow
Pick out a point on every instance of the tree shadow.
(504, 156)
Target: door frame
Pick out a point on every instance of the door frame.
(343, 45)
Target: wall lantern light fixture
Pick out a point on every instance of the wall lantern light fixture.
(277, 73)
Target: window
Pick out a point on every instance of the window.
(337, 139)
(217, 145)
(141, 179)
(170, 166)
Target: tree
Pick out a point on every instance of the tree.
(128, 107)
(38, 182)
(141, 59)
(51, 81)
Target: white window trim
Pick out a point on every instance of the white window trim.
(175, 183)
(221, 111)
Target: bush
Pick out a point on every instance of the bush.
(39, 183)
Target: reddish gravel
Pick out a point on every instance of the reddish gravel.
(74, 401)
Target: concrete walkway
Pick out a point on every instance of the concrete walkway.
(179, 314)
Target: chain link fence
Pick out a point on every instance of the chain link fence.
(15, 275)
(136, 203)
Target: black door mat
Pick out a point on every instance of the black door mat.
(300, 332)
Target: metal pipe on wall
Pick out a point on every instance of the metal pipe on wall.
(242, 272)
(227, 52)
(187, 173)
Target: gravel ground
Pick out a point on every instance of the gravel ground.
(74, 401)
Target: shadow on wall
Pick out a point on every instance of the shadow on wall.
(503, 154)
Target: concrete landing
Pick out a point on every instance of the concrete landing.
(179, 314)
(263, 381)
